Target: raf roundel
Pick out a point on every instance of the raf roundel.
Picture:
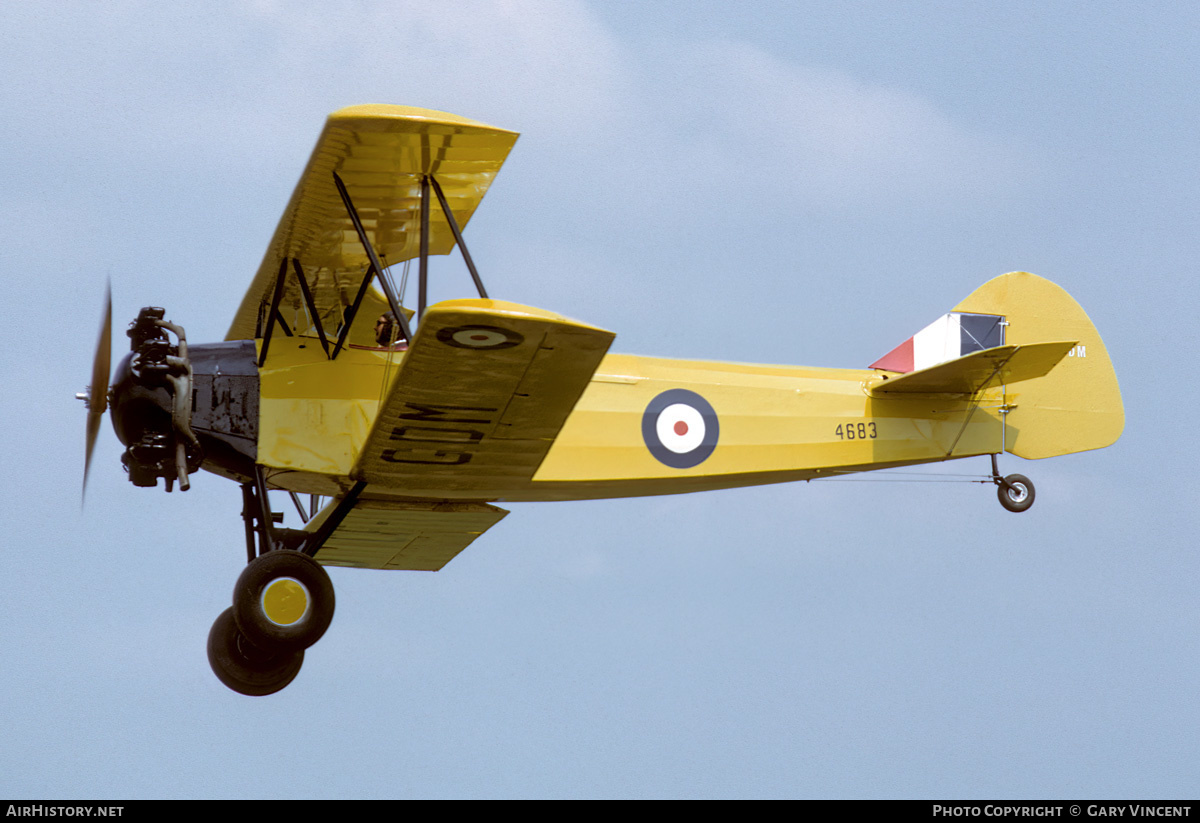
(680, 428)
(479, 337)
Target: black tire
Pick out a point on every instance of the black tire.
(244, 667)
(292, 632)
(1016, 493)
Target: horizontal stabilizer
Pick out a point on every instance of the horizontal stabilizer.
(401, 534)
(979, 370)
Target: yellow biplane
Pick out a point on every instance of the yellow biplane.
(404, 427)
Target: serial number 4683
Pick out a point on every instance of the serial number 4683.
(855, 431)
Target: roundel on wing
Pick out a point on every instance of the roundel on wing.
(680, 428)
(479, 337)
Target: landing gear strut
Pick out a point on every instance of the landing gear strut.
(1015, 491)
(282, 604)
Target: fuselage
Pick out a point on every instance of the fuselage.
(764, 424)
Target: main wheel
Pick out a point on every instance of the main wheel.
(283, 600)
(245, 668)
(1016, 493)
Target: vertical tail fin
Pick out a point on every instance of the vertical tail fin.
(1075, 406)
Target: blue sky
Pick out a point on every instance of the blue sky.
(802, 183)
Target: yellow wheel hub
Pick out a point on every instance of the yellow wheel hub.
(285, 601)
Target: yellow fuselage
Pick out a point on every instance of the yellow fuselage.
(777, 424)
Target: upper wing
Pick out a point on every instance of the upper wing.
(979, 370)
(381, 153)
(479, 398)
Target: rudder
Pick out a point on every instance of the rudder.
(1077, 405)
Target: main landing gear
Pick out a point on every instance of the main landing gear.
(244, 667)
(282, 604)
(1015, 491)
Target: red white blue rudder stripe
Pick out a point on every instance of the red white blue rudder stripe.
(950, 336)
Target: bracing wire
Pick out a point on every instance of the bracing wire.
(964, 479)
(889, 476)
(391, 351)
(386, 274)
(404, 280)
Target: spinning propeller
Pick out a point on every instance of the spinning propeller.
(96, 396)
(150, 400)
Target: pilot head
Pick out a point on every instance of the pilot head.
(386, 329)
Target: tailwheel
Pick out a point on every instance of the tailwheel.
(1015, 492)
(283, 601)
(244, 667)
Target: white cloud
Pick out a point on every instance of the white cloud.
(228, 79)
(249, 83)
(548, 65)
(747, 119)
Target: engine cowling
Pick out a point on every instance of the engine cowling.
(151, 402)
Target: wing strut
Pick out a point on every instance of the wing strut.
(423, 280)
(427, 181)
(273, 314)
(312, 307)
(313, 542)
(458, 238)
(376, 266)
(348, 317)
